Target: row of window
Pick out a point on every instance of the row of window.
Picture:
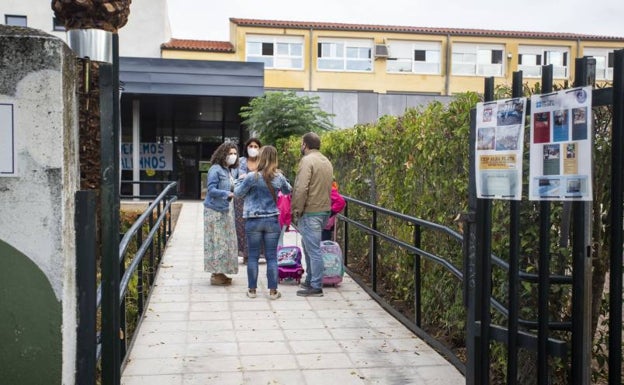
(279, 52)
(22, 21)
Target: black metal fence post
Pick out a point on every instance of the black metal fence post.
(109, 123)
(86, 271)
(514, 267)
(615, 283)
(581, 262)
(345, 236)
(544, 265)
(417, 277)
(484, 273)
(373, 254)
(469, 265)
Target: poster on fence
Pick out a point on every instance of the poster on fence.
(560, 165)
(498, 148)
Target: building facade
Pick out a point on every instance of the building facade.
(315, 56)
(174, 112)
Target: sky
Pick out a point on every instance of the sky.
(209, 19)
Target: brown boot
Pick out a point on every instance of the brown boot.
(219, 279)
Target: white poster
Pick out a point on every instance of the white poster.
(498, 148)
(152, 156)
(561, 146)
(7, 141)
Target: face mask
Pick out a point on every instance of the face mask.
(231, 159)
(252, 152)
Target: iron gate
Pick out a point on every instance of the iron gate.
(537, 335)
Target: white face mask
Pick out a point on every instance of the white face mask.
(252, 152)
(231, 159)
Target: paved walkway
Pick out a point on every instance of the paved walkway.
(198, 334)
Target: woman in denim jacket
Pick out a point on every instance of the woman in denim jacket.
(260, 213)
(220, 248)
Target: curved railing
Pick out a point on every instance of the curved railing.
(150, 233)
(378, 232)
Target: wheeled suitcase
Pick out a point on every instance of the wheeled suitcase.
(333, 266)
(289, 265)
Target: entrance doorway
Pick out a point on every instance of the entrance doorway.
(188, 155)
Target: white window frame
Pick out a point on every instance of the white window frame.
(344, 55)
(470, 59)
(529, 56)
(287, 51)
(402, 57)
(604, 66)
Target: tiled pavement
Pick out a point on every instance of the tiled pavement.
(197, 334)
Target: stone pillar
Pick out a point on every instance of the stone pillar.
(37, 232)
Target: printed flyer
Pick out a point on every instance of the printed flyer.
(561, 147)
(498, 148)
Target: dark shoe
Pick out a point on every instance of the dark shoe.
(245, 259)
(310, 292)
(219, 279)
(305, 285)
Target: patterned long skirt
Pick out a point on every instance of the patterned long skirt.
(220, 249)
(240, 226)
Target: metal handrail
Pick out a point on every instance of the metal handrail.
(414, 326)
(162, 205)
(457, 272)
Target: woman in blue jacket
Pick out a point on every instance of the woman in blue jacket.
(220, 248)
(259, 190)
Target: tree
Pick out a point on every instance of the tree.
(283, 114)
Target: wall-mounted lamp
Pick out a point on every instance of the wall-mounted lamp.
(509, 55)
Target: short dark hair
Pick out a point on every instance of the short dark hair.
(312, 141)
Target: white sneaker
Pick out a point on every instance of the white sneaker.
(275, 294)
(251, 293)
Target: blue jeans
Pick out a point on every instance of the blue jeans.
(261, 231)
(311, 227)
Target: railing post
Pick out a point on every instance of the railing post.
(417, 277)
(151, 258)
(345, 238)
(373, 254)
(139, 243)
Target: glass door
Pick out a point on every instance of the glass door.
(188, 170)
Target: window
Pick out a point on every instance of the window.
(16, 20)
(414, 57)
(276, 52)
(531, 60)
(57, 25)
(604, 62)
(345, 55)
(477, 59)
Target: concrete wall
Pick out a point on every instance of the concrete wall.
(37, 234)
(351, 108)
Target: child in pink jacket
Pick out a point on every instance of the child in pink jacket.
(337, 204)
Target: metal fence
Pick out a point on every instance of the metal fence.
(140, 251)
